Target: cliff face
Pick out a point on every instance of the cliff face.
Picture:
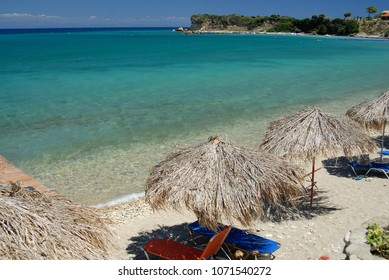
(375, 27)
(234, 22)
(199, 22)
(209, 22)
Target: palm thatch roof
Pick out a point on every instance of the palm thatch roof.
(310, 133)
(221, 182)
(35, 225)
(372, 114)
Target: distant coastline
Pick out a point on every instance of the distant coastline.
(358, 36)
(276, 24)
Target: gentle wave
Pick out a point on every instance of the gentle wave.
(120, 200)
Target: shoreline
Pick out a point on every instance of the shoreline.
(246, 32)
(121, 179)
(120, 200)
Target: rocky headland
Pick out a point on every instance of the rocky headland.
(316, 25)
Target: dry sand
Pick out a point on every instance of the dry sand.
(341, 203)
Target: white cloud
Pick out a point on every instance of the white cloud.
(164, 19)
(178, 18)
(25, 15)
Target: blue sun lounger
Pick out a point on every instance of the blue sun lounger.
(384, 152)
(356, 167)
(372, 166)
(250, 245)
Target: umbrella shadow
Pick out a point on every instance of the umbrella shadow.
(320, 205)
(337, 166)
(303, 209)
(179, 233)
(378, 141)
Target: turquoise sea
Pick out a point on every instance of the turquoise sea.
(89, 111)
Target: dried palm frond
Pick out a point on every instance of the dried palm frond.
(35, 225)
(371, 114)
(222, 182)
(311, 133)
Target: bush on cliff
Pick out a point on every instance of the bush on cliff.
(319, 24)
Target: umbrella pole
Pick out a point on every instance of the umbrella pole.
(313, 180)
(382, 141)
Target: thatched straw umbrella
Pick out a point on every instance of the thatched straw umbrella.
(311, 133)
(36, 226)
(221, 182)
(373, 115)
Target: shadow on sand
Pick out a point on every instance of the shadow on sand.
(180, 232)
(304, 210)
(378, 141)
(338, 167)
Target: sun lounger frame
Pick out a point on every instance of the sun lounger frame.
(369, 168)
(232, 248)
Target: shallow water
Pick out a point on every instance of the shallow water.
(89, 113)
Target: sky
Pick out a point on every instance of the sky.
(163, 13)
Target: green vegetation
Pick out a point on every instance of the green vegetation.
(371, 10)
(322, 25)
(347, 15)
(378, 239)
(317, 24)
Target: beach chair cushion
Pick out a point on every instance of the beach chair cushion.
(378, 165)
(384, 152)
(241, 239)
(373, 166)
(358, 165)
(173, 250)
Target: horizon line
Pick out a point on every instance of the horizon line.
(87, 27)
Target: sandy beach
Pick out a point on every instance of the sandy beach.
(341, 204)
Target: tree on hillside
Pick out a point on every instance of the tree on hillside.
(371, 10)
(347, 15)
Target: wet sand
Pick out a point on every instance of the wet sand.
(9, 172)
